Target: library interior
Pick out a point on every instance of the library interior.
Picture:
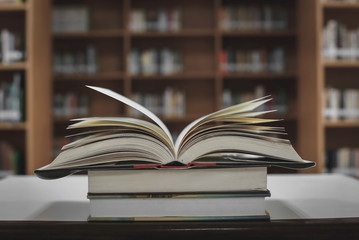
(181, 60)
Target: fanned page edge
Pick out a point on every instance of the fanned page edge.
(249, 106)
(134, 105)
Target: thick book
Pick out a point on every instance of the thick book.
(197, 180)
(231, 137)
(236, 205)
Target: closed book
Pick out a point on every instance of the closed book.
(177, 207)
(178, 180)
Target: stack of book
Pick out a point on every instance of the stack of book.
(12, 46)
(253, 61)
(161, 20)
(11, 159)
(254, 17)
(70, 105)
(76, 62)
(216, 169)
(340, 42)
(70, 19)
(155, 61)
(172, 103)
(12, 100)
(341, 104)
(344, 160)
(280, 102)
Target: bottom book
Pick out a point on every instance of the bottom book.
(179, 206)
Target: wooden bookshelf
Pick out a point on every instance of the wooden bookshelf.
(111, 33)
(10, 127)
(201, 40)
(33, 136)
(341, 64)
(13, 7)
(340, 5)
(321, 73)
(342, 124)
(17, 66)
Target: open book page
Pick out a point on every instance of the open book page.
(136, 124)
(136, 106)
(227, 112)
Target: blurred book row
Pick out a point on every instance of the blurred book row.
(344, 160)
(161, 20)
(12, 46)
(279, 95)
(12, 100)
(11, 159)
(70, 105)
(70, 19)
(155, 61)
(256, 60)
(82, 61)
(341, 104)
(254, 17)
(171, 103)
(340, 42)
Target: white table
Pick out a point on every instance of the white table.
(294, 196)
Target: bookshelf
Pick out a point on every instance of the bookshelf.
(330, 74)
(199, 39)
(28, 136)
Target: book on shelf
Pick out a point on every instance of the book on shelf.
(70, 19)
(76, 62)
(12, 46)
(70, 105)
(155, 61)
(248, 205)
(279, 102)
(341, 104)
(254, 17)
(11, 158)
(344, 160)
(161, 20)
(172, 103)
(340, 42)
(142, 144)
(12, 100)
(252, 61)
(219, 160)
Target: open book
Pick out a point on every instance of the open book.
(233, 136)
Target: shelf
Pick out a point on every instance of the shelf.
(181, 33)
(105, 76)
(114, 33)
(285, 75)
(341, 64)
(13, 66)
(259, 33)
(189, 75)
(12, 7)
(340, 5)
(341, 123)
(10, 126)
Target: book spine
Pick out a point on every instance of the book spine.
(253, 60)
(70, 19)
(70, 105)
(340, 42)
(254, 16)
(343, 160)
